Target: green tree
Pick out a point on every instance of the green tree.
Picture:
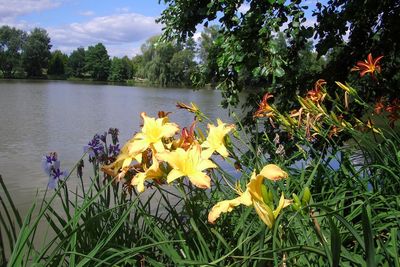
(345, 32)
(210, 46)
(11, 42)
(76, 63)
(57, 63)
(36, 52)
(137, 63)
(182, 66)
(116, 70)
(246, 42)
(127, 72)
(166, 63)
(98, 62)
(121, 69)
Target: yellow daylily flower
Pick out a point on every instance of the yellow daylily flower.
(153, 131)
(266, 214)
(254, 196)
(215, 139)
(152, 173)
(273, 172)
(228, 205)
(123, 160)
(188, 163)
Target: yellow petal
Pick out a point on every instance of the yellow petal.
(137, 146)
(206, 153)
(138, 157)
(222, 151)
(264, 212)
(169, 129)
(138, 181)
(254, 186)
(173, 175)
(283, 203)
(159, 146)
(216, 139)
(154, 172)
(206, 164)
(273, 172)
(200, 180)
(246, 198)
(221, 207)
(227, 206)
(127, 161)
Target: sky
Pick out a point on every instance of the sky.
(121, 25)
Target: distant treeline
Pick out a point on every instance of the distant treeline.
(28, 55)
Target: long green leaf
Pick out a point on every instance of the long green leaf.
(368, 238)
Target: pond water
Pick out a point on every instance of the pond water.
(41, 116)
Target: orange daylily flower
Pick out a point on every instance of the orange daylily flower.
(393, 117)
(316, 95)
(297, 114)
(393, 110)
(379, 106)
(368, 66)
(264, 109)
(334, 131)
(394, 106)
(187, 137)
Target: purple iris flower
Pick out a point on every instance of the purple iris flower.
(113, 150)
(51, 166)
(94, 148)
(114, 135)
(103, 137)
(55, 176)
(48, 162)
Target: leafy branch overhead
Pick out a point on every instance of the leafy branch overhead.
(268, 44)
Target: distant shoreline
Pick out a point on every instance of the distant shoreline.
(91, 81)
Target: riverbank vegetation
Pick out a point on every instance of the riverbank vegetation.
(309, 177)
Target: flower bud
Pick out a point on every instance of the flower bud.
(267, 195)
(306, 196)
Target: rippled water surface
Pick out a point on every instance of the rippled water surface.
(37, 117)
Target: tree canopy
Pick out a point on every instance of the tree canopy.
(121, 69)
(11, 42)
(345, 32)
(57, 63)
(76, 63)
(166, 63)
(98, 62)
(36, 52)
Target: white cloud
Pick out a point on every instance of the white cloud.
(117, 32)
(11, 9)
